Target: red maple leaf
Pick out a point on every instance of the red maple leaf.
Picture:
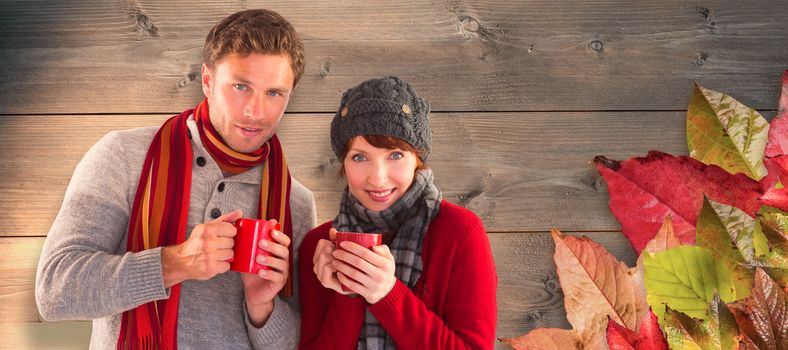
(776, 152)
(777, 198)
(643, 190)
(649, 338)
(777, 168)
(778, 129)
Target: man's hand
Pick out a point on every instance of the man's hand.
(204, 254)
(261, 289)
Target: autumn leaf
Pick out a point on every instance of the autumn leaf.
(774, 261)
(643, 191)
(763, 317)
(650, 336)
(717, 330)
(595, 283)
(746, 343)
(726, 231)
(775, 229)
(665, 239)
(551, 339)
(778, 172)
(596, 287)
(776, 153)
(686, 278)
(779, 166)
(778, 131)
(560, 339)
(777, 198)
(724, 132)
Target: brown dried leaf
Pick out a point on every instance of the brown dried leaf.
(763, 316)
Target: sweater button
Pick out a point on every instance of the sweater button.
(201, 161)
(215, 213)
(221, 187)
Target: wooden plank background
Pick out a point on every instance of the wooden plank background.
(524, 94)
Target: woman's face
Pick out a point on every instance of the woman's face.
(378, 177)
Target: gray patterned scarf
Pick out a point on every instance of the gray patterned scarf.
(403, 225)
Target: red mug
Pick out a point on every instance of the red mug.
(246, 248)
(366, 240)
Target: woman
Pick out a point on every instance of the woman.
(432, 284)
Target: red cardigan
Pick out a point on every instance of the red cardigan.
(452, 306)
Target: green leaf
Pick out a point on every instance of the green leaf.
(726, 231)
(724, 132)
(717, 330)
(759, 241)
(686, 278)
(775, 260)
(777, 218)
(775, 229)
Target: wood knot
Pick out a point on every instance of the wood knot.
(469, 24)
(594, 181)
(533, 318)
(145, 24)
(187, 79)
(327, 164)
(551, 283)
(707, 15)
(701, 59)
(597, 46)
(464, 200)
(325, 70)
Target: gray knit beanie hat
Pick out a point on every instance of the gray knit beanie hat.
(385, 106)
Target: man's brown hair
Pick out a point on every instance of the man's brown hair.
(255, 31)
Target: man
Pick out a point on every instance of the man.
(141, 243)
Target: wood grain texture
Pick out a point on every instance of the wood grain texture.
(144, 56)
(525, 94)
(55, 336)
(529, 295)
(517, 171)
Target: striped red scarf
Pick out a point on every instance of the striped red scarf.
(161, 206)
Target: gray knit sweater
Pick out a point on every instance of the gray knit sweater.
(85, 272)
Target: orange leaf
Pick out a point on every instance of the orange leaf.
(665, 239)
(561, 339)
(545, 339)
(596, 284)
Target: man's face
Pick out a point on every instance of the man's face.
(247, 97)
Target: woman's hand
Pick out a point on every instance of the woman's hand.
(322, 263)
(370, 273)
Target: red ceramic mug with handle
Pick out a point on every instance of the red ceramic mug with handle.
(366, 240)
(246, 248)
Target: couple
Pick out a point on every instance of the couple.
(141, 241)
